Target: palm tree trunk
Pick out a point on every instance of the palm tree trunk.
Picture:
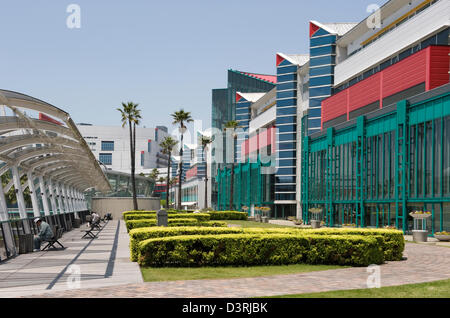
(232, 180)
(232, 187)
(168, 185)
(206, 180)
(133, 164)
(180, 174)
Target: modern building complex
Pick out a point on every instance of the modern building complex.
(353, 127)
(224, 109)
(111, 146)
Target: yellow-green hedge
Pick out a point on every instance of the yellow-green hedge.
(228, 215)
(138, 235)
(202, 217)
(266, 249)
(144, 223)
(392, 244)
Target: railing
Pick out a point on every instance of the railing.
(16, 227)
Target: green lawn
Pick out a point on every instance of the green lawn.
(256, 224)
(151, 274)
(438, 289)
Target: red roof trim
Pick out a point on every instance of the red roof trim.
(279, 59)
(312, 29)
(49, 119)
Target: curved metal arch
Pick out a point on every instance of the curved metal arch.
(12, 123)
(68, 177)
(61, 173)
(93, 176)
(34, 139)
(47, 170)
(25, 101)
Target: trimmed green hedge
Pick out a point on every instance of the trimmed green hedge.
(172, 215)
(128, 217)
(138, 235)
(228, 215)
(144, 223)
(133, 224)
(393, 243)
(201, 217)
(267, 249)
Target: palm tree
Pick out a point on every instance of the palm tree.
(181, 117)
(167, 146)
(205, 142)
(231, 126)
(172, 182)
(131, 115)
(154, 174)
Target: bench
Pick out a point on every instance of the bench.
(89, 233)
(57, 234)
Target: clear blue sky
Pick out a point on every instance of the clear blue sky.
(162, 54)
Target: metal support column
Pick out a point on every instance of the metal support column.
(44, 196)
(34, 199)
(20, 198)
(52, 196)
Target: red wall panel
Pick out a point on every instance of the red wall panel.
(191, 173)
(334, 106)
(405, 74)
(364, 92)
(430, 65)
(439, 66)
(259, 141)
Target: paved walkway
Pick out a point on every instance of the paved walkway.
(102, 262)
(424, 263)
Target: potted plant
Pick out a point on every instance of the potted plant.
(442, 236)
(315, 217)
(265, 214)
(258, 214)
(420, 232)
(349, 226)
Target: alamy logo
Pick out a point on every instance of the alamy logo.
(374, 20)
(374, 279)
(74, 19)
(74, 279)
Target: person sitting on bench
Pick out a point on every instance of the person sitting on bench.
(95, 218)
(45, 234)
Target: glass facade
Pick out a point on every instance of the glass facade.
(378, 170)
(224, 109)
(322, 61)
(107, 145)
(105, 158)
(251, 186)
(286, 123)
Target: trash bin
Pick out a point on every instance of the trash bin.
(162, 218)
(26, 243)
(76, 223)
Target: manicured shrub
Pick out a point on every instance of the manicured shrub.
(393, 243)
(265, 249)
(172, 215)
(138, 235)
(228, 215)
(133, 224)
(137, 212)
(199, 216)
(144, 223)
(128, 217)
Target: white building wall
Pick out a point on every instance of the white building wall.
(121, 161)
(415, 29)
